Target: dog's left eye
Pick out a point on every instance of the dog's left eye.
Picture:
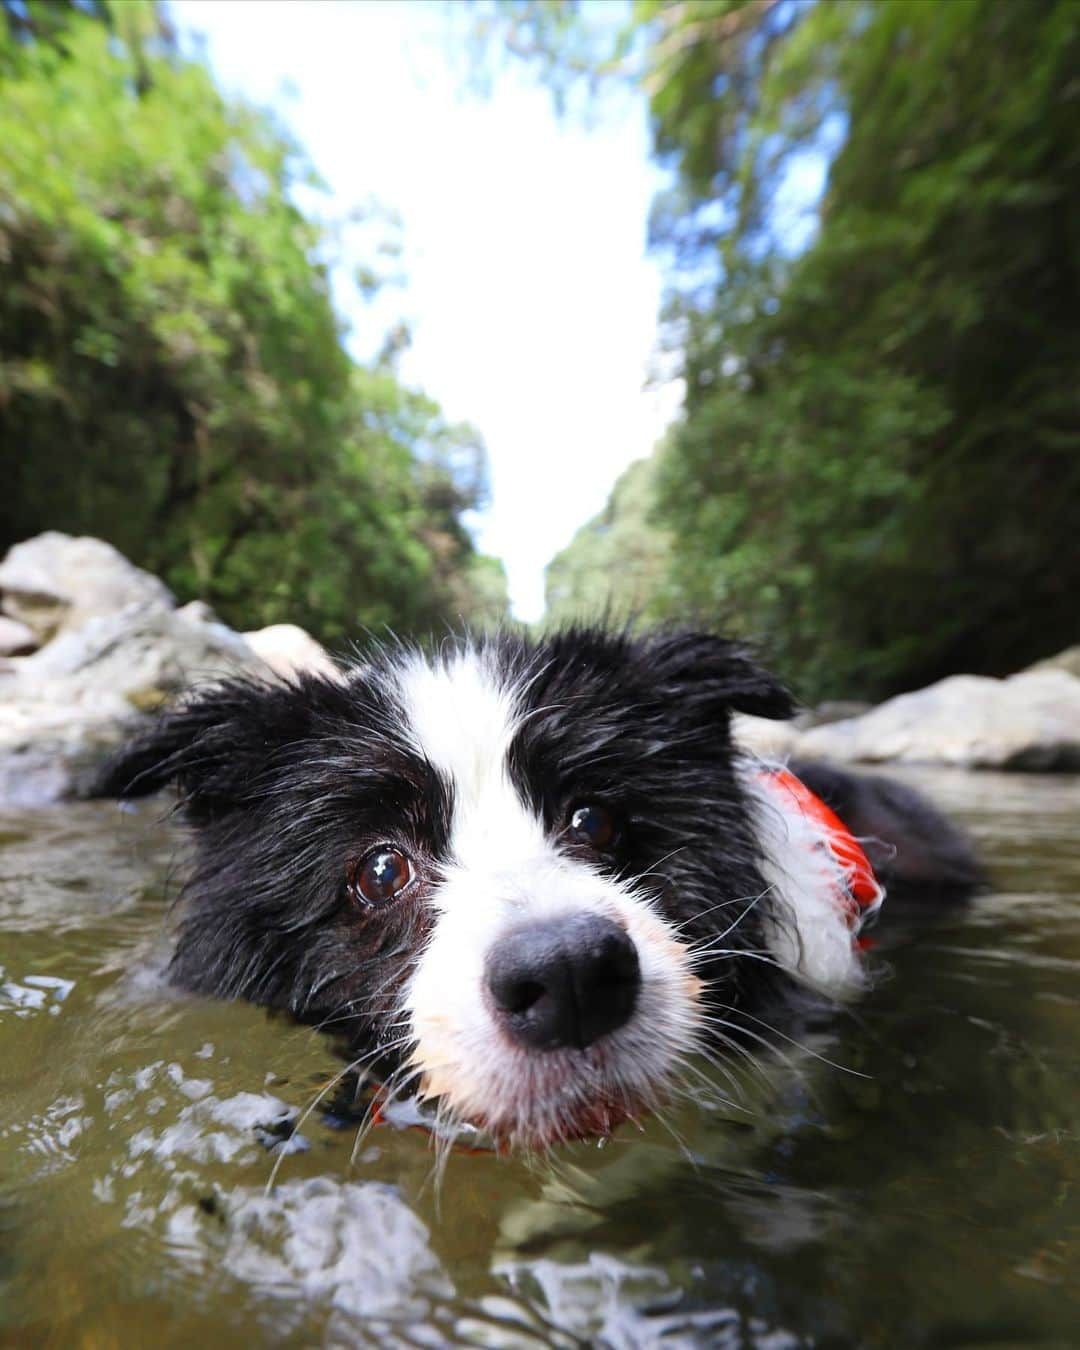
(593, 825)
(380, 875)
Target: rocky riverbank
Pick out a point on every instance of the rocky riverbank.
(90, 645)
(1027, 722)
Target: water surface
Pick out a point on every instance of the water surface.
(920, 1189)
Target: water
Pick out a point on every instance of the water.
(925, 1192)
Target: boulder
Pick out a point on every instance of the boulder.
(111, 646)
(1068, 661)
(1029, 721)
(144, 653)
(63, 708)
(288, 650)
(48, 751)
(835, 710)
(16, 639)
(55, 583)
(764, 737)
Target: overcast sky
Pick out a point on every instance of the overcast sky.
(532, 305)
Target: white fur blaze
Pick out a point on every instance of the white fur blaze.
(806, 928)
(503, 871)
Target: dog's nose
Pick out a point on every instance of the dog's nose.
(563, 982)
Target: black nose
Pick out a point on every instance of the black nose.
(563, 982)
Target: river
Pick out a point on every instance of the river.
(907, 1175)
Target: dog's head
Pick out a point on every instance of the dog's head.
(521, 872)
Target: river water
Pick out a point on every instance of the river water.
(907, 1175)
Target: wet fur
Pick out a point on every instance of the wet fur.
(284, 784)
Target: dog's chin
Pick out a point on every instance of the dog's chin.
(593, 1121)
(588, 1121)
(544, 1100)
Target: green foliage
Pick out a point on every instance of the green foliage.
(616, 565)
(877, 469)
(569, 45)
(485, 597)
(172, 375)
(40, 25)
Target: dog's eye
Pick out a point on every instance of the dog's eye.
(380, 875)
(594, 826)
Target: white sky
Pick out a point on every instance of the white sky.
(532, 306)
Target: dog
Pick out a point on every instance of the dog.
(527, 878)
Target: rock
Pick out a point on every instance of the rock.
(288, 650)
(1030, 721)
(197, 611)
(65, 707)
(139, 652)
(1068, 661)
(55, 583)
(48, 752)
(836, 710)
(115, 646)
(764, 737)
(16, 639)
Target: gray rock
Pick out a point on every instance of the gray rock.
(198, 611)
(143, 653)
(835, 710)
(1068, 661)
(1030, 721)
(55, 583)
(16, 639)
(63, 708)
(48, 752)
(765, 738)
(288, 650)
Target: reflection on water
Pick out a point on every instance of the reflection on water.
(924, 1193)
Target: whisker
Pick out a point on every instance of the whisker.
(283, 1149)
(700, 914)
(388, 1094)
(799, 1045)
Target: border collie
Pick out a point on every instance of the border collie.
(527, 877)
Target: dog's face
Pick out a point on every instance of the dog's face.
(518, 873)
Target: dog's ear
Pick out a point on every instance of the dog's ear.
(712, 674)
(215, 747)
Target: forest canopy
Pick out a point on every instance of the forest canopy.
(875, 474)
(877, 471)
(173, 375)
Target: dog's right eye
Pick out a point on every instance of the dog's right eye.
(593, 826)
(380, 875)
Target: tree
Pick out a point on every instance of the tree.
(172, 374)
(878, 464)
(876, 471)
(624, 547)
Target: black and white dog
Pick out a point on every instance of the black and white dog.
(530, 877)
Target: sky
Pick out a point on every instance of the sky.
(530, 298)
